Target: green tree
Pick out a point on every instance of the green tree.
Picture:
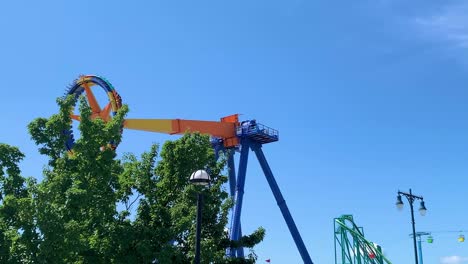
(18, 236)
(170, 201)
(76, 201)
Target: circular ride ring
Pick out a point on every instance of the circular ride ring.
(84, 84)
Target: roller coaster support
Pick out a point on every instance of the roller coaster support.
(351, 247)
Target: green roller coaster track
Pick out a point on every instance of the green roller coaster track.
(351, 247)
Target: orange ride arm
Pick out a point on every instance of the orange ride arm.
(226, 129)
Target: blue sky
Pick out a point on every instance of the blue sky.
(369, 97)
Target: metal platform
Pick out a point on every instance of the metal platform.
(257, 132)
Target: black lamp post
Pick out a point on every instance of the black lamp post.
(422, 210)
(200, 177)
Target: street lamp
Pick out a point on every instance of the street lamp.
(202, 178)
(422, 210)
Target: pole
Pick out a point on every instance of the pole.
(420, 250)
(411, 200)
(198, 234)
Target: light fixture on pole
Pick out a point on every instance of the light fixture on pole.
(399, 203)
(202, 178)
(422, 210)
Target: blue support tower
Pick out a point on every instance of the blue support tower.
(253, 135)
(232, 189)
(420, 251)
(232, 173)
(229, 153)
(257, 148)
(239, 197)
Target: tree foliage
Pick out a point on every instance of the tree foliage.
(18, 236)
(92, 207)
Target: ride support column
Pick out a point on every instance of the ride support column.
(232, 192)
(235, 229)
(257, 148)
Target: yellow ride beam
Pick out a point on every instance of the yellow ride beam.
(181, 126)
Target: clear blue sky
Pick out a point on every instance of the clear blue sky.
(369, 97)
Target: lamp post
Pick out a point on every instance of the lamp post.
(202, 178)
(422, 210)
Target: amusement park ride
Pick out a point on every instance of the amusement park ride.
(351, 247)
(228, 135)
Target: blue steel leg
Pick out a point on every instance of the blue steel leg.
(232, 173)
(232, 186)
(240, 251)
(420, 250)
(257, 148)
(232, 190)
(235, 230)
